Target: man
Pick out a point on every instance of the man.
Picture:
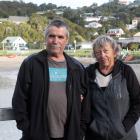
(46, 100)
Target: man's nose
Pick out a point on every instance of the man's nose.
(55, 39)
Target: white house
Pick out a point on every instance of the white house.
(134, 24)
(93, 25)
(131, 26)
(14, 43)
(115, 32)
(135, 21)
(89, 19)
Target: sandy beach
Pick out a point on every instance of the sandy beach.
(10, 63)
(7, 63)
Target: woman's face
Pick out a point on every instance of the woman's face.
(105, 55)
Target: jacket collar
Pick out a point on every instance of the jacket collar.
(71, 62)
(117, 68)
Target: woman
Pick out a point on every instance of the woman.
(114, 94)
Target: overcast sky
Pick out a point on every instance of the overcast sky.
(68, 3)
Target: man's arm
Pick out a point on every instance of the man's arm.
(20, 100)
(85, 106)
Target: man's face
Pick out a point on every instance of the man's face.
(56, 40)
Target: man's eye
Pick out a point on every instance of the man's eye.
(51, 36)
(61, 37)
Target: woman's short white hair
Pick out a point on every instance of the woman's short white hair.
(104, 39)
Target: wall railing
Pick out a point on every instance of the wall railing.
(6, 114)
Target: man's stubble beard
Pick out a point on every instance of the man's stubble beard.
(53, 53)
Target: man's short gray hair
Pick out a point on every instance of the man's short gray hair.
(57, 23)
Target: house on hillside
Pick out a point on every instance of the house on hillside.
(131, 26)
(18, 19)
(106, 18)
(135, 22)
(14, 43)
(93, 25)
(115, 32)
(92, 19)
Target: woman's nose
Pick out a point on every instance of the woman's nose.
(102, 53)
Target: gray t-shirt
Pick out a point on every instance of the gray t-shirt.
(57, 99)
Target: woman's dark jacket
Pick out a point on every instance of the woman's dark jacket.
(31, 95)
(115, 111)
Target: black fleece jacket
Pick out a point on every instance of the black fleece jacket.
(31, 95)
(115, 111)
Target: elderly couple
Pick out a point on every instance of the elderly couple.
(56, 98)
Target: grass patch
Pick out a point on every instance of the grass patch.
(22, 53)
(79, 53)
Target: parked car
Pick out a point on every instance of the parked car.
(69, 47)
(24, 48)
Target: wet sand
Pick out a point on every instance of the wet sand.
(8, 64)
(8, 74)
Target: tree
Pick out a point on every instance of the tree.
(74, 16)
(125, 17)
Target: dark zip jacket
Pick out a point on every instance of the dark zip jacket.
(31, 95)
(115, 111)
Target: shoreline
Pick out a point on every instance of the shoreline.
(11, 63)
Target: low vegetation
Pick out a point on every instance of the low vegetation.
(78, 53)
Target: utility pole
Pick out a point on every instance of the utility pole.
(74, 45)
(3, 46)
